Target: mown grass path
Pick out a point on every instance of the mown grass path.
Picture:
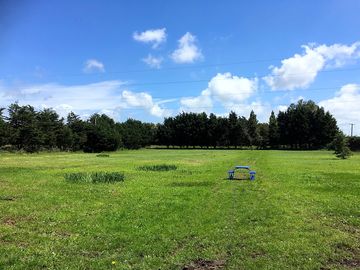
(301, 212)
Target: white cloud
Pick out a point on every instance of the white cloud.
(229, 90)
(345, 104)
(152, 36)
(105, 96)
(142, 100)
(262, 110)
(282, 108)
(299, 71)
(152, 61)
(93, 65)
(202, 103)
(187, 51)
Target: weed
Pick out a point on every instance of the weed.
(160, 167)
(95, 177)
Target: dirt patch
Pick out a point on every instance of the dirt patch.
(201, 264)
(350, 263)
(257, 254)
(9, 222)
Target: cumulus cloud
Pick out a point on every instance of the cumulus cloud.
(299, 71)
(152, 61)
(151, 36)
(261, 109)
(345, 104)
(93, 65)
(105, 96)
(226, 88)
(202, 103)
(187, 51)
(142, 100)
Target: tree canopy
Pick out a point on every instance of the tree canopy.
(303, 125)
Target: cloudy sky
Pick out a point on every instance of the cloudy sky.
(152, 59)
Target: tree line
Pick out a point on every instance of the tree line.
(302, 126)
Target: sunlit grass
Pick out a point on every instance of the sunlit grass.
(301, 212)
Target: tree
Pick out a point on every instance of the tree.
(213, 131)
(253, 129)
(341, 147)
(273, 131)
(136, 134)
(78, 131)
(102, 134)
(51, 128)
(235, 130)
(3, 129)
(264, 134)
(24, 130)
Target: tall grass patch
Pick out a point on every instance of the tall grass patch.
(95, 177)
(158, 168)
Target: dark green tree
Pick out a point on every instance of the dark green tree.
(273, 131)
(79, 130)
(3, 129)
(102, 134)
(51, 128)
(341, 147)
(253, 131)
(24, 128)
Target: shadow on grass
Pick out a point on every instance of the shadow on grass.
(191, 184)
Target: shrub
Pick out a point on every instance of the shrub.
(103, 155)
(160, 167)
(341, 147)
(354, 143)
(95, 177)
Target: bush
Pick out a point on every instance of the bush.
(103, 155)
(341, 147)
(160, 167)
(95, 177)
(8, 148)
(354, 143)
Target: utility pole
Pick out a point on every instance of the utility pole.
(352, 129)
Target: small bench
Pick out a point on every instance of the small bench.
(231, 173)
(252, 175)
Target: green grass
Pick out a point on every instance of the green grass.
(301, 212)
(94, 177)
(158, 168)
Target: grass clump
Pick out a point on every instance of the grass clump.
(157, 168)
(102, 155)
(95, 177)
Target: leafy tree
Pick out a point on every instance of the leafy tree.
(136, 134)
(273, 131)
(264, 134)
(341, 147)
(3, 129)
(165, 133)
(354, 143)
(24, 130)
(51, 128)
(234, 130)
(78, 131)
(214, 131)
(102, 134)
(253, 130)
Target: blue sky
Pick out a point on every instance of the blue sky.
(152, 59)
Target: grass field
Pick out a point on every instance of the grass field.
(301, 212)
